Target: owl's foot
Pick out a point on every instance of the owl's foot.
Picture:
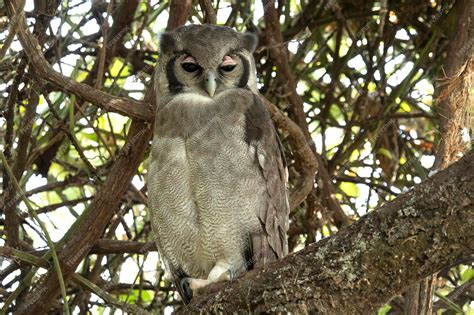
(221, 272)
(190, 286)
(195, 284)
(186, 289)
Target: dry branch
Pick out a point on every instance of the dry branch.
(288, 82)
(301, 149)
(43, 69)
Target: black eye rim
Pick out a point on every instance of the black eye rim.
(190, 66)
(228, 68)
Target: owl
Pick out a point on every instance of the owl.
(217, 175)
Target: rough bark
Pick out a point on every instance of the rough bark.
(454, 97)
(453, 102)
(366, 263)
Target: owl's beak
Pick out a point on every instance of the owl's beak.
(211, 83)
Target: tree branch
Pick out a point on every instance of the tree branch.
(208, 11)
(366, 263)
(179, 12)
(301, 149)
(288, 82)
(127, 107)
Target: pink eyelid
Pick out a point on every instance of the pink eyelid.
(228, 61)
(189, 59)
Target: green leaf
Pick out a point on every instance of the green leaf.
(384, 309)
(116, 67)
(133, 295)
(350, 189)
(372, 87)
(467, 275)
(404, 108)
(336, 112)
(325, 231)
(386, 153)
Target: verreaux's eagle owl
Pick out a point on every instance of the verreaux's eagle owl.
(217, 175)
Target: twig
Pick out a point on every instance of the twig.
(32, 212)
(127, 107)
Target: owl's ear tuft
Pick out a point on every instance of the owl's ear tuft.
(167, 43)
(250, 41)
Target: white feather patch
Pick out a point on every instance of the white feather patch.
(192, 98)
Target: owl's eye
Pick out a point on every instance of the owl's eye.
(228, 68)
(228, 64)
(190, 66)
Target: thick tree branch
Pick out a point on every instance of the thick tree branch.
(368, 262)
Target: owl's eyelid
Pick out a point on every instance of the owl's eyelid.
(228, 61)
(189, 59)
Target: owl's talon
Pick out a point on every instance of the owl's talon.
(185, 285)
(221, 272)
(226, 276)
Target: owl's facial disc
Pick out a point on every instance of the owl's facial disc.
(207, 77)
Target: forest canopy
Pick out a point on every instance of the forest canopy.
(370, 98)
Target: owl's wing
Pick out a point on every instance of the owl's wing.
(271, 243)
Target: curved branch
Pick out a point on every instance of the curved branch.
(302, 150)
(127, 107)
(367, 263)
(288, 82)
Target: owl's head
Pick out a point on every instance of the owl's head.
(205, 60)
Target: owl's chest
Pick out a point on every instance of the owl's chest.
(205, 177)
(191, 117)
(207, 143)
